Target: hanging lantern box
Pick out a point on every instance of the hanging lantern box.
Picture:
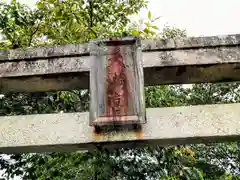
(116, 82)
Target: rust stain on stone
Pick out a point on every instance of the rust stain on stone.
(112, 134)
(139, 135)
(117, 136)
(97, 137)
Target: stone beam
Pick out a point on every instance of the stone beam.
(189, 60)
(165, 126)
(147, 45)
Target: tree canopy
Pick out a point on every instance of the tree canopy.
(54, 22)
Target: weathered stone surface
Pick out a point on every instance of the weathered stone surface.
(161, 67)
(147, 45)
(65, 81)
(191, 42)
(190, 60)
(150, 59)
(165, 126)
(46, 52)
(46, 66)
(192, 57)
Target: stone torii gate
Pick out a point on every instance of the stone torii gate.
(180, 61)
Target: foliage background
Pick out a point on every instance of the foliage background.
(54, 22)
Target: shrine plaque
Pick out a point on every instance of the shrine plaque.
(116, 82)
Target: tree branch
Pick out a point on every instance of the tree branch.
(78, 20)
(34, 32)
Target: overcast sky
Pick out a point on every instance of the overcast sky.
(198, 17)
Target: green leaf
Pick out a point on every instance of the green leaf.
(148, 24)
(135, 33)
(146, 30)
(155, 27)
(149, 15)
(157, 18)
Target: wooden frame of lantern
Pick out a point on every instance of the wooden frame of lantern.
(116, 82)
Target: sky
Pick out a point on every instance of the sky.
(198, 17)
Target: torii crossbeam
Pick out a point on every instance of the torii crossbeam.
(190, 60)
